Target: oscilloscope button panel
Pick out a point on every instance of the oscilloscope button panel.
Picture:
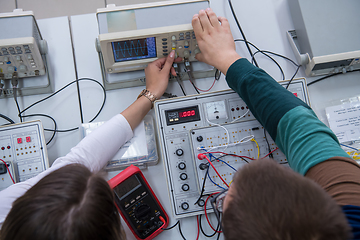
(184, 177)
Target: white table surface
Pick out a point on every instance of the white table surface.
(264, 23)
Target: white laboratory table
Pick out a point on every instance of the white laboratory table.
(264, 23)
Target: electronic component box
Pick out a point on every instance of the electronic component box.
(21, 45)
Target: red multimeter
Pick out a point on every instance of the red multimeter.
(138, 204)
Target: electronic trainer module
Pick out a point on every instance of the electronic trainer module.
(23, 148)
(214, 123)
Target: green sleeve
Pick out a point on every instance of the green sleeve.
(299, 134)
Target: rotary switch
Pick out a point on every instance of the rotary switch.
(179, 152)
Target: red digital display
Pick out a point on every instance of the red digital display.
(19, 140)
(28, 139)
(187, 113)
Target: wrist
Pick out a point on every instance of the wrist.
(228, 61)
(151, 97)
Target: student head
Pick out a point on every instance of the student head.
(269, 201)
(70, 203)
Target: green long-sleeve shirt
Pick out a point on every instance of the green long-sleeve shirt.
(296, 130)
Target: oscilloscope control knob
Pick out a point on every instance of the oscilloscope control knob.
(197, 50)
(186, 54)
(173, 38)
(185, 206)
(183, 176)
(179, 152)
(182, 166)
(185, 187)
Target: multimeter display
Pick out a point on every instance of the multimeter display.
(134, 49)
(127, 187)
(182, 115)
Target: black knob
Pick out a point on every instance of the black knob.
(182, 166)
(201, 203)
(183, 176)
(185, 187)
(199, 138)
(142, 212)
(203, 166)
(185, 206)
(179, 152)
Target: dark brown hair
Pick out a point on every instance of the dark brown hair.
(70, 203)
(270, 201)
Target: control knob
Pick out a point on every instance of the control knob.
(142, 212)
(199, 138)
(179, 152)
(185, 206)
(185, 187)
(182, 166)
(183, 176)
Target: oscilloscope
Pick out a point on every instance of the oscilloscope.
(133, 50)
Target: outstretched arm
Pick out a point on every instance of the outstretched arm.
(304, 139)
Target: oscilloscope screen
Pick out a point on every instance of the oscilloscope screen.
(134, 49)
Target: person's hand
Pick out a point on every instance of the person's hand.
(157, 74)
(215, 40)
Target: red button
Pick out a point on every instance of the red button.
(28, 139)
(19, 140)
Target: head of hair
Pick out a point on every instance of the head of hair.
(70, 203)
(271, 201)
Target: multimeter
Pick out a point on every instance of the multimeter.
(138, 204)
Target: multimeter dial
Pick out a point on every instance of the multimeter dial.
(142, 212)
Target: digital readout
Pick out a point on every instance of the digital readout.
(127, 187)
(182, 115)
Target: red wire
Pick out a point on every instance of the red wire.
(207, 219)
(8, 170)
(215, 170)
(270, 153)
(198, 225)
(201, 90)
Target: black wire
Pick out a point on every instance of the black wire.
(217, 74)
(178, 80)
(203, 232)
(7, 118)
(281, 70)
(172, 226)
(292, 78)
(190, 78)
(203, 186)
(51, 95)
(182, 235)
(80, 105)
(218, 237)
(44, 115)
(242, 33)
(17, 103)
(327, 76)
(270, 155)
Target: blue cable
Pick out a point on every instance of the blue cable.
(226, 164)
(214, 182)
(218, 159)
(349, 147)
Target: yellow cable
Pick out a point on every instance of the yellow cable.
(230, 183)
(257, 146)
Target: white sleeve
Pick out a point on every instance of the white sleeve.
(94, 152)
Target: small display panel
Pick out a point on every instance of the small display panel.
(134, 49)
(127, 187)
(182, 115)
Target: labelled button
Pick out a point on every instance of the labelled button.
(165, 54)
(165, 50)
(11, 49)
(27, 51)
(164, 43)
(164, 46)
(26, 46)
(181, 34)
(183, 176)
(188, 37)
(187, 33)
(185, 206)
(3, 49)
(181, 38)
(185, 187)
(18, 48)
(164, 39)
